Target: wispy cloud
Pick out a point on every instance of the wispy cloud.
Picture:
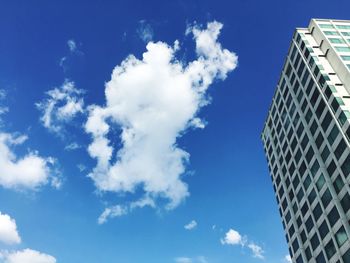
(72, 45)
(233, 238)
(72, 146)
(154, 101)
(199, 259)
(287, 259)
(191, 225)
(145, 31)
(60, 106)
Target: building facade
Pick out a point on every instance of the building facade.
(306, 139)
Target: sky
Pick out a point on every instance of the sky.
(130, 130)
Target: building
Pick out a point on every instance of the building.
(306, 139)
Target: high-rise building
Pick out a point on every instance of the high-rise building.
(306, 138)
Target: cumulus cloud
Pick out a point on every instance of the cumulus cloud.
(61, 106)
(8, 230)
(27, 256)
(191, 225)
(154, 101)
(28, 172)
(233, 238)
(145, 31)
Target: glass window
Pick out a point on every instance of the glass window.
(307, 182)
(336, 40)
(342, 49)
(330, 249)
(329, 26)
(338, 184)
(312, 196)
(346, 256)
(333, 135)
(346, 33)
(308, 253)
(309, 224)
(326, 198)
(331, 33)
(340, 149)
(317, 212)
(320, 182)
(345, 202)
(295, 245)
(333, 216)
(341, 236)
(346, 58)
(343, 26)
(346, 166)
(320, 258)
(323, 229)
(314, 241)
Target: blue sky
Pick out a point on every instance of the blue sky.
(167, 165)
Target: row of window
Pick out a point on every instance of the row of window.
(326, 197)
(330, 26)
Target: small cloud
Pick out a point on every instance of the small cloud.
(81, 167)
(111, 212)
(191, 225)
(199, 259)
(72, 146)
(233, 237)
(2, 94)
(145, 31)
(72, 45)
(8, 230)
(288, 259)
(256, 250)
(61, 106)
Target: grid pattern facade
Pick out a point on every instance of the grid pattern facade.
(306, 139)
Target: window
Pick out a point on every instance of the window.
(346, 58)
(333, 216)
(309, 224)
(328, 26)
(346, 256)
(320, 258)
(326, 198)
(323, 229)
(295, 245)
(336, 40)
(333, 135)
(307, 182)
(317, 212)
(341, 236)
(340, 149)
(342, 49)
(331, 33)
(346, 166)
(308, 253)
(314, 241)
(320, 182)
(330, 249)
(343, 26)
(338, 184)
(346, 33)
(345, 202)
(312, 196)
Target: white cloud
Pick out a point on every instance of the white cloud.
(233, 237)
(8, 230)
(183, 260)
(72, 45)
(61, 106)
(120, 210)
(199, 259)
(288, 259)
(154, 101)
(27, 256)
(28, 172)
(256, 250)
(2, 94)
(145, 31)
(72, 146)
(191, 225)
(81, 167)
(112, 212)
